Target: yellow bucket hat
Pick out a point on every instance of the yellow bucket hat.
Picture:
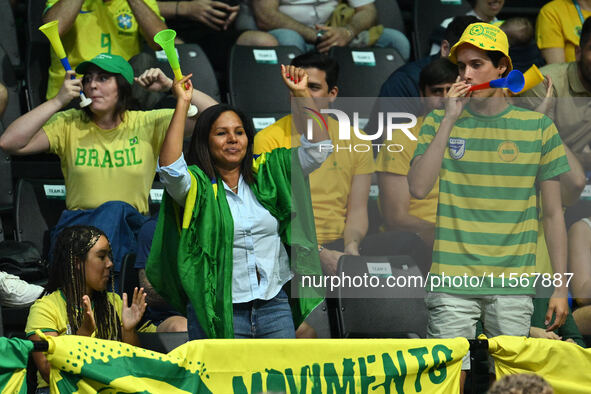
(483, 36)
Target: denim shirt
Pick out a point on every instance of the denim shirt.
(257, 246)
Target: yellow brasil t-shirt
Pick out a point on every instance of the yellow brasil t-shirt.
(399, 163)
(559, 26)
(100, 27)
(107, 165)
(330, 184)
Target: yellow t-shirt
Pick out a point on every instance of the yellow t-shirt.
(48, 314)
(100, 27)
(399, 163)
(559, 26)
(108, 165)
(330, 184)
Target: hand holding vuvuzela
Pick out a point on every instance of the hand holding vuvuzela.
(514, 82)
(165, 39)
(50, 30)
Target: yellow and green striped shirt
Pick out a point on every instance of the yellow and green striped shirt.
(487, 215)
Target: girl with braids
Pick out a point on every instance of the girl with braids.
(76, 299)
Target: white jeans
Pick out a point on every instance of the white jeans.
(451, 316)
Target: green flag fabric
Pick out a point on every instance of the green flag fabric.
(191, 259)
(13, 364)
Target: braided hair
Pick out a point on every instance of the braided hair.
(68, 274)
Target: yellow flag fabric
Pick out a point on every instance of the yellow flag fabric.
(84, 365)
(13, 364)
(564, 365)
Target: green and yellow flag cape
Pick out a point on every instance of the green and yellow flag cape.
(13, 364)
(192, 259)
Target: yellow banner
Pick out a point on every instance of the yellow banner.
(564, 365)
(82, 364)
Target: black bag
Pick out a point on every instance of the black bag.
(23, 260)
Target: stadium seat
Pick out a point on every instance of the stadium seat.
(9, 79)
(128, 279)
(381, 312)
(193, 59)
(255, 84)
(389, 14)
(581, 209)
(8, 35)
(319, 320)
(427, 15)
(2, 236)
(162, 342)
(525, 8)
(36, 73)
(39, 204)
(6, 194)
(35, 10)
(363, 71)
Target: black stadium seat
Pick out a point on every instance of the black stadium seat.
(427, 15)
(363, 71)
(39, 204)
(381, 312)
(9, 79)
(162, 342)
(8, 34)
(128, 279)
(193, 59)
(389, 14)
(6, 192)
(37, 73)
(255, 84)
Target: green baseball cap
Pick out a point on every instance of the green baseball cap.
(111, 63)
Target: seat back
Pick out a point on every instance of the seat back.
(35, 10)
(427, 16)
(192, 59)
(255, 84)
(9, 80)
(162, 342)
(6, 193)
(37, 73)
(383, 311)
(389, 14)
(128, 279)
(8, 35)
(363, 71)
(39, 204)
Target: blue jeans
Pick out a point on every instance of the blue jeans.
(390, 38)
(254, 319)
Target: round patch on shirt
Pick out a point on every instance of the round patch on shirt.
(508, 151)
(124, 21)
(457, 148)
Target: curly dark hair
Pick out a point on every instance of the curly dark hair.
(68, 274)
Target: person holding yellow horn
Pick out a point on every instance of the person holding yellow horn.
(108, 152)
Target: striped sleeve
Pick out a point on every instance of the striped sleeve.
(427, 133)
(553, 161)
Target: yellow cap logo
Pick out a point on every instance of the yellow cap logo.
(476, 30)
(508, 151)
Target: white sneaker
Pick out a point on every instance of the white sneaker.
(15, 292)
